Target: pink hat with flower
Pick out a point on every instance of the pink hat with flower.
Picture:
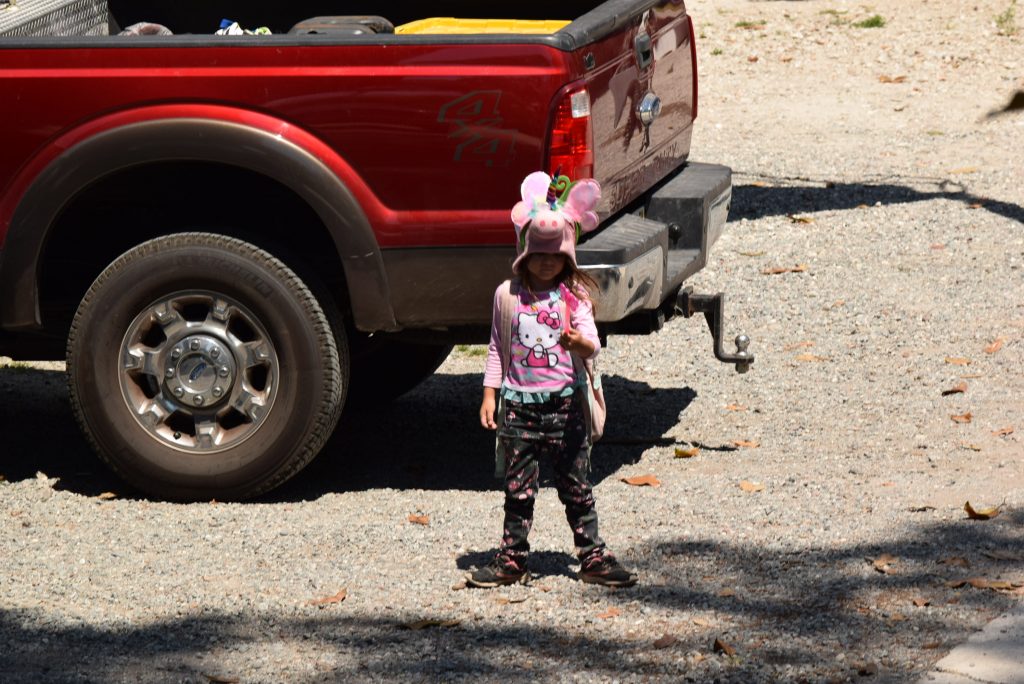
(553, 214)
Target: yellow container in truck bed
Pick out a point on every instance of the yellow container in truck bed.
(451, 25)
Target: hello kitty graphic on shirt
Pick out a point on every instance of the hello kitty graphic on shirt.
(539, 333)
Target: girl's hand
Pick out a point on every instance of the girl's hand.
(487, 409)
(574, 341)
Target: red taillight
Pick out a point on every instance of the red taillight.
(572, 136)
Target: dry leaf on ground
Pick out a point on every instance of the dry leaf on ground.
(799, 219)
(962, 418)
(980, 513)
(642, 481)
(1003, 432)
(748, 486)
(610, 613)
(727, 592)
(922, 602)
(777, 270)
(964, 169)
(884, 563)
(892, 79)
(810, 357)
(665, 641)
(107, 496)
(721, 647)
(745, 443)
(686, 452)
(958, 361)
(735, 407)
(328, 600)
(419, 519)
(956, 560)
(958, 388)
(798, 345)
(504, 600)
(996, 345)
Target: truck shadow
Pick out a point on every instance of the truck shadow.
(428, 439)
(431, 439)
(40, 434)
(787, 195)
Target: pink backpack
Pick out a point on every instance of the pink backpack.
(594, 409)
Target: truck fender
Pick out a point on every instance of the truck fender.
(255, 142)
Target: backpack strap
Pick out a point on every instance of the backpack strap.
(508, 298)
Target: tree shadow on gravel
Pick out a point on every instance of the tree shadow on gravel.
(428, 439)
(804, 195)
(431, 439)
(785, 609)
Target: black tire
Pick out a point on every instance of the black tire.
(166, 407)
(384, 369)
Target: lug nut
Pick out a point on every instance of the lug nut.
(179, 391)
(215, 352)
(170, 372)
(198, 400)
(223, 371)
(176, 353)
(217, 391)
(194, 345)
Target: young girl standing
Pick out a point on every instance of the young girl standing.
(531, 381)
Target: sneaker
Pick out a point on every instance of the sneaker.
(498, 573)
(607, 572)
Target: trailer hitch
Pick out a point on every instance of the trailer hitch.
(713, 308)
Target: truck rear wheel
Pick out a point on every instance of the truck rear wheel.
(200, 366)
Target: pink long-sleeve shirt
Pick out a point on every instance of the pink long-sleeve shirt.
(538, 363)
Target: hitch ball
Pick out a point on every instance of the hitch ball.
(742, 342)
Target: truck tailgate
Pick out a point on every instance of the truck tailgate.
(648, 65)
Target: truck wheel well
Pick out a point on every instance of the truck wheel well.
(133, 205)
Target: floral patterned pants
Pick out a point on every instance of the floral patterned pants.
(552, 430)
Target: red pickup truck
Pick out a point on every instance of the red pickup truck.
(227, 235)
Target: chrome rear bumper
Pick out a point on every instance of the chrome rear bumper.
(641, 259)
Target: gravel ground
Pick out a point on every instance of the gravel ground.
(863, 161)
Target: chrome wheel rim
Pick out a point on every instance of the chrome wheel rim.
(198, 371)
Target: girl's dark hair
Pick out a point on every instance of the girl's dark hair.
(578, 282)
